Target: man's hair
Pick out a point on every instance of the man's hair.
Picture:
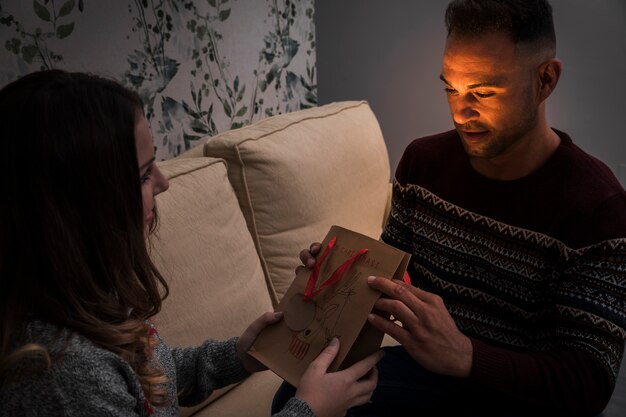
(524, 21)
(72, 243)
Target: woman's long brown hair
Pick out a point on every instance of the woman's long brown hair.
(72, 246)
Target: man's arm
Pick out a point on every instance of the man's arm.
(564, 380)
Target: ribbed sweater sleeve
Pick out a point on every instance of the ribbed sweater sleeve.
(557, 381)
(200, 370)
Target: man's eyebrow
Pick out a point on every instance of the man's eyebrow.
(483, 84)
(147, 164)
(494, 84)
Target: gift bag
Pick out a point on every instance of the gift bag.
(331, 300)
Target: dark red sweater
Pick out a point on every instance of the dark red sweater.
(533, 270)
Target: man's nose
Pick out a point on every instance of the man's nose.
(464, 109)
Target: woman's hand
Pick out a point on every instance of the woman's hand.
(246, 340)
(332, 394)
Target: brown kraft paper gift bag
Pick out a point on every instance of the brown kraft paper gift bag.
(332, 300)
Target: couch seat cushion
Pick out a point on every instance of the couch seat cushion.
(205, 252)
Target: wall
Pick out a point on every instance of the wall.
(201, 66)
(389, 53)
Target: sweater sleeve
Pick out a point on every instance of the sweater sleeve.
(295, 407)
(214, 365)
(557, 381)
(202, 369)
(577, 376)
(89, 383)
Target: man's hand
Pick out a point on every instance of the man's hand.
(246, 340)
(426, 329)
(307, 256)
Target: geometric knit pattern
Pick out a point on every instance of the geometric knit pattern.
(512, 286)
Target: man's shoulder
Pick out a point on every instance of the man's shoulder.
(438, 143)
(584, 172)
(595, 200)
(428, 154)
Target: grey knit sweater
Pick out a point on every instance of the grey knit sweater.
(88, 380)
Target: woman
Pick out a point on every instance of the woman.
(77, 287)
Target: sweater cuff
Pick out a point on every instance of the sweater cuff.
(226, 361)
(487, 364)
(295, 407)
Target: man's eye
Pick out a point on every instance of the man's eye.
(450, 91)
(485, 94)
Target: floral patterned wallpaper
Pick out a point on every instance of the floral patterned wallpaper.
(201, 66)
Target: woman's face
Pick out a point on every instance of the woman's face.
(152, 180)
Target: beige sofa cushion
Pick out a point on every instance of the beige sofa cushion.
(252, 398)
(205, 252)
(297, 174)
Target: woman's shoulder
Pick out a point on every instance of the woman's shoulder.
(81, 377)
(70, 350)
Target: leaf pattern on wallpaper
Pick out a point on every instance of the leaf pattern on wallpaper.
(240, 102)
(200, 66)
(150, 70)
(31, 46)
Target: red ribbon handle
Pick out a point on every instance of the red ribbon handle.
(310, 290)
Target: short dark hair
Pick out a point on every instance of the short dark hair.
(524, 21)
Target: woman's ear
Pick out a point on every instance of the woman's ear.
(549, 73)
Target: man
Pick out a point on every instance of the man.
(518, 237)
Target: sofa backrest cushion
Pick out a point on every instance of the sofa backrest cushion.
(205, 252)
(298, 173)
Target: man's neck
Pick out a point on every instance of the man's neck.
(523, 158)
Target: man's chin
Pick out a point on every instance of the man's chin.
(478, 150)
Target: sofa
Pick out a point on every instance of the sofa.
(240, 208)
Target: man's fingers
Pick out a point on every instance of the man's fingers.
(399, 311)
(400, 290)
(315, 248)
(307, 256)
(399, 333)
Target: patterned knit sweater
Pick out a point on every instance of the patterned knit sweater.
(88, 380)
(532, 270)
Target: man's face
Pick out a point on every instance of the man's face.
(491, 93)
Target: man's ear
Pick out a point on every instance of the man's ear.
(549, 73)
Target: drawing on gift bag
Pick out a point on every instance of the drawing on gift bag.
(325, 318)
(332, 303)
(307, 317)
